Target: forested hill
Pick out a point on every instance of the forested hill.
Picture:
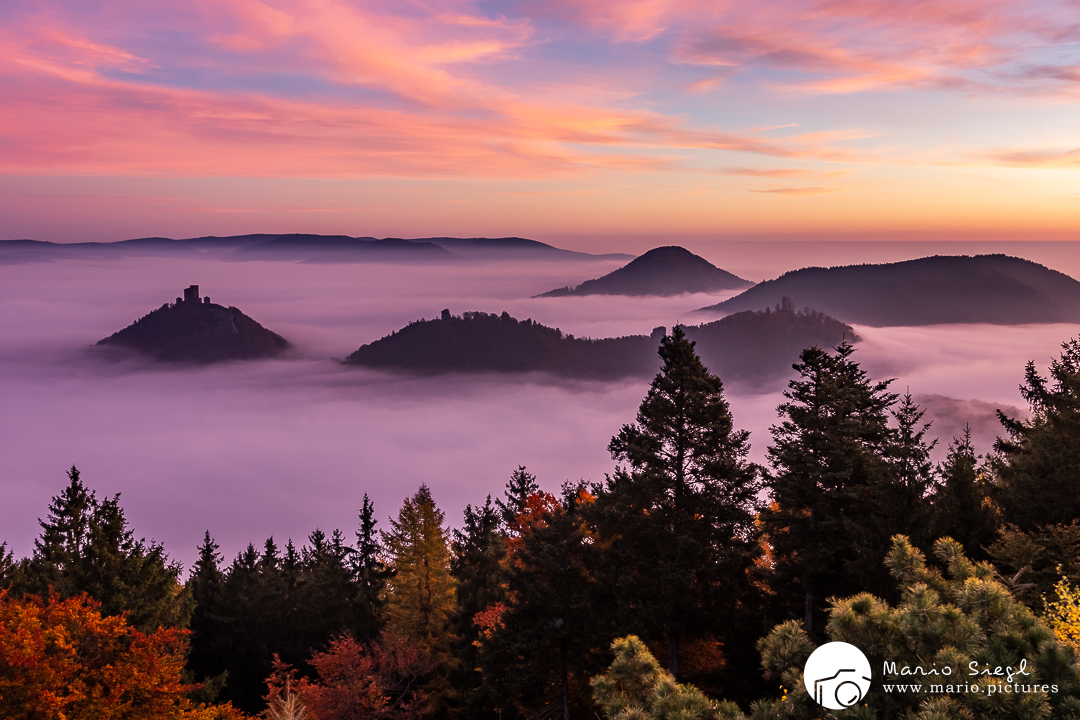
(197, 331)
(995, 289)
(299, 247)
(750, 346)
(664, 271)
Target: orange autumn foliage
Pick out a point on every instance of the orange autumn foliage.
(61, 660)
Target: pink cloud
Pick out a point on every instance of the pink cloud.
(72, 114)
(838, 46)
(798, 190)
(1036, 158)
(782, 173)
(350, 88)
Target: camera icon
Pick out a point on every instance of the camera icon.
(837, 675)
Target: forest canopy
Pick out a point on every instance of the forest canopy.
(689, 582)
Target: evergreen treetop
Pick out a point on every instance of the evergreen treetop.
(1038, 464)
(87, 546)
(832, 480)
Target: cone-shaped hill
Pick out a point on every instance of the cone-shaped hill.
(995, 289)
(670, 270)
(196, 330)
(749, 346)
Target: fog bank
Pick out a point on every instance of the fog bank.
(248, 450)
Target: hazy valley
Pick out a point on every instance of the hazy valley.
(290, 444)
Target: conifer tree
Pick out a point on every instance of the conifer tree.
(7, 566)
(479, 550)
(830, 466)
(676, 525)
(204, 587)
(962, 505)
(1039, 462)
(371, 575)
(538, 649)
(910, 459)
(87, 546)
(522, 484)
(636, 687)
(422, 590)
(328, 594)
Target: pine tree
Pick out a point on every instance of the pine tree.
(1039, 463)
(948, 619)
(830, 462)
(635, 686)
(676, 526)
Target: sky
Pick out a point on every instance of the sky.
(574, 121)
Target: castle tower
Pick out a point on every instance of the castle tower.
(191, 294)
(787, 304)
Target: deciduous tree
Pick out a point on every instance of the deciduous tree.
(61, 659)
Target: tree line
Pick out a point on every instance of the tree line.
(687, 546)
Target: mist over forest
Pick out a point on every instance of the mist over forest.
(279, 447)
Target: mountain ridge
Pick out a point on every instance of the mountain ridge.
(298, 247)
(750, 346)
(939, 289)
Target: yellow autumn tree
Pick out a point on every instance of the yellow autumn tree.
(1063, 613)
(421, 598)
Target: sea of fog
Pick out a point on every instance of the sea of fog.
(280, 447)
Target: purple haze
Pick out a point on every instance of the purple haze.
(248, 450)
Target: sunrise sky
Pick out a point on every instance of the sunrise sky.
(542, 118)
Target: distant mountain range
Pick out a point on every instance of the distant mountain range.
(298, 248)
(196, 330)
(996, 289)
(748, 346)
(670, 270)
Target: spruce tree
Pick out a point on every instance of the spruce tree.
(830, 465)
(962, 506)
(479, 550)
(371, 575)
(538, 650)
(1038, 464)
(64, 536)
(7, 566)
(87, 546)
(204, 587)
(522, 484)
(676, 525)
